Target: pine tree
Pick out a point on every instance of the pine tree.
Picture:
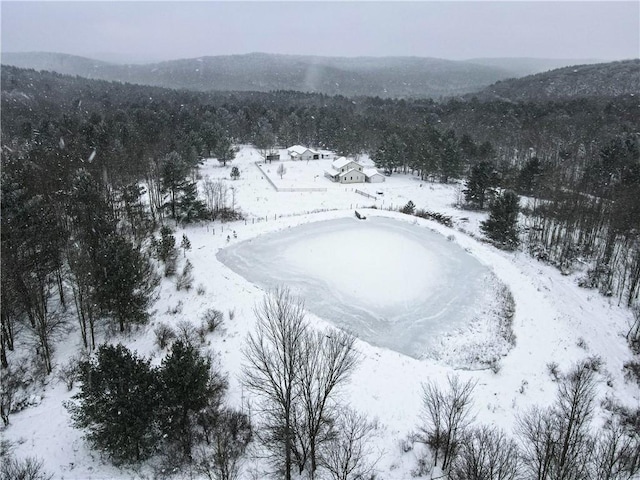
(173, 177)
(189, 207)
(450, 162)
(502, 224)
(117, 404)
(391, 153)
(409, 208)
(224, 150)
(188, 388)
(235, 173)
(480, 180)
(185, 244)
(126, 281)
(528, 177)
(185, 279)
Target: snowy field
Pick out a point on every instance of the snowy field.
(554, 321)
(392, 284)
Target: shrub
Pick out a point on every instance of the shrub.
(409, 208)
(187, 333)
(29, 468)
(213, 319)
(185, 279)
(68, 373)
(164, 335)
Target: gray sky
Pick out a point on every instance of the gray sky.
(452, 29)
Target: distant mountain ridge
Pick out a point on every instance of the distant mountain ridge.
(602, 79)
(403, 77)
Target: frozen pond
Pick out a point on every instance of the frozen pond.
(390, 283)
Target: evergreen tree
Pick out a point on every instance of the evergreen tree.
(409, 208)
(173, 178)
(185, 244)
(502, 224)
(224, 150)
(235, 173)
(126, 281)
(528, 177)
(135, 212)
(117, 404)
(165, 250)
(480, 180)
(390, 154)
(450, 162)
(189, 207)
(188, 388)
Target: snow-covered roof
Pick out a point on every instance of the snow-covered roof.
(299, 149)
(370, 172)
(342, 162)
(351, 170)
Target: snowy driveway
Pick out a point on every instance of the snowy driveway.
(391, 283)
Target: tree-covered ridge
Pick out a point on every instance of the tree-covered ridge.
(384, 76)
(603, 79)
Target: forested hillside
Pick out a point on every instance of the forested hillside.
(386, 77)
(602, 79)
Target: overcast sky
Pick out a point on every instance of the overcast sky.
(453, 29)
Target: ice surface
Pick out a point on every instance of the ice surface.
(391, 283)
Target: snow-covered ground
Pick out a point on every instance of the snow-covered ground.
(555, 320)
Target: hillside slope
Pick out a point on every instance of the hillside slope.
(602, 79)
(371, 76)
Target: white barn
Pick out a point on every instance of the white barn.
(298, 152)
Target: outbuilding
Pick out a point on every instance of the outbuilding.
(372, 175)
(298, 152)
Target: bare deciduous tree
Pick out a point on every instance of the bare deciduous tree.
(556, 441)
(273, 357)
(538, 435)
(348, 456)
(328, 360)
(281, 170)
(617, 453)
(574, 406)
(486, 453)
(447, 416)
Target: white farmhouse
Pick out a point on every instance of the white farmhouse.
(344, 170)
(343, 164)
(350, 176)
